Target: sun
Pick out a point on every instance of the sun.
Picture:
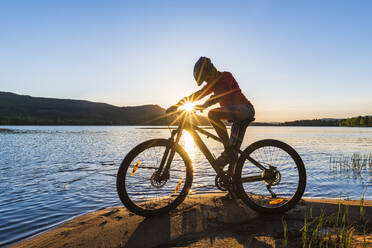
(189, 106)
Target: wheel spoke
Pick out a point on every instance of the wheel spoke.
(276, 188)
(142, 189)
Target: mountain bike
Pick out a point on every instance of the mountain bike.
(155, 176)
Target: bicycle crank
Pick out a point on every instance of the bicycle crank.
(223, 183)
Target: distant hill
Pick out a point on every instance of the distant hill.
(27, 110)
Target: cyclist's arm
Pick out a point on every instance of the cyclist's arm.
(196, 96)
(211, 101)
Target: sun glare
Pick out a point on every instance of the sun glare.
(189, 106)
(189, 144)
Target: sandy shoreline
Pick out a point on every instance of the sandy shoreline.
(201, 220)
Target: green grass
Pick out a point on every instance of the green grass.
(285, 233)
(334, 230)
(363, 221)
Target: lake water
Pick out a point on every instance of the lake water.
(49, 174)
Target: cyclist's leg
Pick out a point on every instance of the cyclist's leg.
(238, 128)
(215, 116)
(237, 134)
(241, 113)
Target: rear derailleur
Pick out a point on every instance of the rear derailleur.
(271, 177)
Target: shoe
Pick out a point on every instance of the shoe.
(224, 159)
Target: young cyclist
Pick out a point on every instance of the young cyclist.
(234, 105)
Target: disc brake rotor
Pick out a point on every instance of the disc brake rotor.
(157, 181)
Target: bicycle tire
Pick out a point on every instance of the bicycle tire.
(122, 188)
(251, 200)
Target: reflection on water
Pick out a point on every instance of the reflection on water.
(189, 144)
(49, 174)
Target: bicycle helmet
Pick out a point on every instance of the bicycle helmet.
(202, 67)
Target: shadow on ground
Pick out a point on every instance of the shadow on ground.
(201, 221)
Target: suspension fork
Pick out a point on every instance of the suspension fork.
(167, 160)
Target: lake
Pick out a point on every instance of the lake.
(49, 174)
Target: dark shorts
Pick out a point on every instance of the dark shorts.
(241, 112)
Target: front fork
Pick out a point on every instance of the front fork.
(163, 170)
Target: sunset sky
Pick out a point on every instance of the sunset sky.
(292, 59)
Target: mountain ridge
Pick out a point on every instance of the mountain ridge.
(29, 110)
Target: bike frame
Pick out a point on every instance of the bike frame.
(185, 124)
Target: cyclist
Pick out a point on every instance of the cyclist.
(234, 106)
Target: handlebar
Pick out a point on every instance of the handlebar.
(186, 108)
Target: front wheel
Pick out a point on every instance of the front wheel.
(139, 185)
(276, 188)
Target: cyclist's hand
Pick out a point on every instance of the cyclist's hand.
(171, 109)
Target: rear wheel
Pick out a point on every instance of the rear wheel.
(139, 185)
(277, 188)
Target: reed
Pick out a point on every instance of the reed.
(285, 233)
(304, 232)
(362, 210)
(363, 221)
(5, 130)
(358, 166)
(335, 230)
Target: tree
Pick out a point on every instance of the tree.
(362, 121)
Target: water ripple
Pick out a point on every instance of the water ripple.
(51, 174)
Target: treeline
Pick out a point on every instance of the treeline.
(312, 123)
(360, 121)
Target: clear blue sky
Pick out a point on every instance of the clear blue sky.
(292, 59)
